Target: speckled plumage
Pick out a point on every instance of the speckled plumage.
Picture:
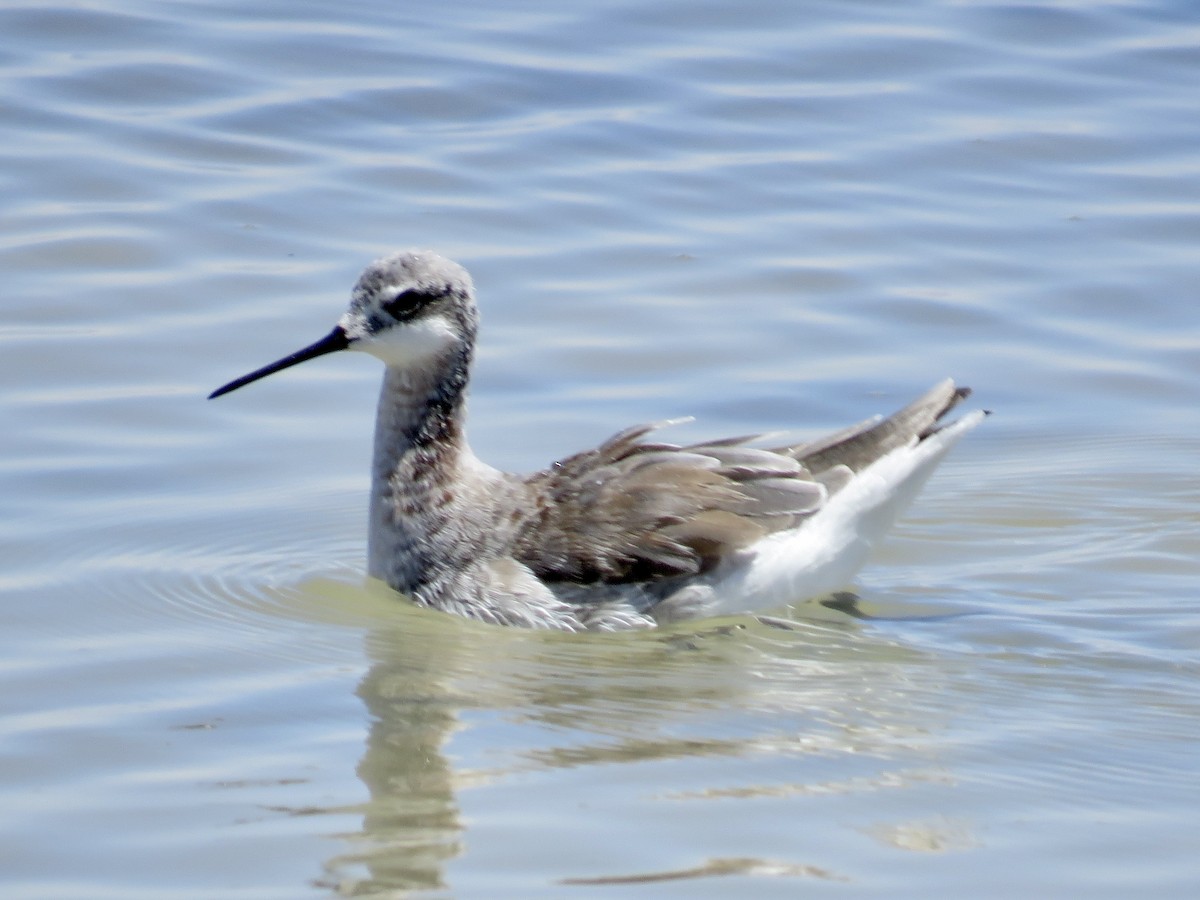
(630, 534)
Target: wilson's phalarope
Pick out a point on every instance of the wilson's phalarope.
(631, 534)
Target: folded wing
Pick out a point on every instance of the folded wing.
(635, 509)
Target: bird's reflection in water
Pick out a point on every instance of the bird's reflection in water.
(513, 701)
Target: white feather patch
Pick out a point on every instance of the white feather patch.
(410, 343)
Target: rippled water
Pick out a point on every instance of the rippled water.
(768, 216)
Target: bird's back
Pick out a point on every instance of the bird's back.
(671, 531)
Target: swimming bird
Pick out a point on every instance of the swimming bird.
(634, 533)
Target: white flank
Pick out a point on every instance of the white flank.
(828, 549)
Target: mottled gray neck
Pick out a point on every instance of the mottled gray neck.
(421, 409)
(420, 449)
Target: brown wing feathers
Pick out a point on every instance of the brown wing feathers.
(635, 510)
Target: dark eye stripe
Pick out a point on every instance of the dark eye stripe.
(408, 303)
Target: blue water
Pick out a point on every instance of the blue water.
(766, 216)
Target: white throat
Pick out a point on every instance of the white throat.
(410, 344)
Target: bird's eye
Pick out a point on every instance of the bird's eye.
(407, 304)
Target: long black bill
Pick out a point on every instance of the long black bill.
(334, 341)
